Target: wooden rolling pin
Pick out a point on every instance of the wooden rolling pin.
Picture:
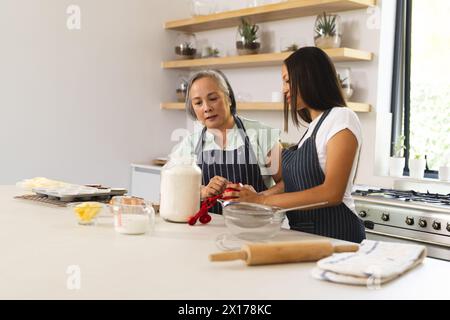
(283, 252)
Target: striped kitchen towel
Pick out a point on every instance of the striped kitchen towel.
(375, 263)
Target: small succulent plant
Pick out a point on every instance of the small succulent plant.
(326, 26)
(211, 52)
(292, 47)
(185, 49)
(399, 147)
(248, 31)
(247, 42)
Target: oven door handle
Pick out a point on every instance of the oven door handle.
(407, 238)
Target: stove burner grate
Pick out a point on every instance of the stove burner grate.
(431, 198)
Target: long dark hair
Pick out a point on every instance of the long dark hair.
(312, 75)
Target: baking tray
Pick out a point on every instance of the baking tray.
(45, 200)
(94, 194)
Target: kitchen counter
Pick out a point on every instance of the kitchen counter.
(39, 244)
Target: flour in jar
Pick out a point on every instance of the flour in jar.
(180, 190)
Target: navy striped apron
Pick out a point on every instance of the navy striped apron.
(302, 171)
(237, 166)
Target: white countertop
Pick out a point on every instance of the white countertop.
(38, 243)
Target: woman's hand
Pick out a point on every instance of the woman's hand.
(243, 193)
(216, 186)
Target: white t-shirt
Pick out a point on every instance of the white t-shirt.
(338, 120)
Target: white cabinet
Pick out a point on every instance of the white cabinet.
(145, 182)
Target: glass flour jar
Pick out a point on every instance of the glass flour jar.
(181, 180)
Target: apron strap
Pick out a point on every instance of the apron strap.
(242, 131)
(245, 138)
(199, 148)
(322, 119)
(316, 129)
(295, 146)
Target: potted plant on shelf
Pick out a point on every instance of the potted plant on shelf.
(186, 50)
(290, 48)
(346, 87)
(397, 162)
(182, 89)
(417, 166)
(210, 52)
(327, 31)
(186, 47)
(247, 38)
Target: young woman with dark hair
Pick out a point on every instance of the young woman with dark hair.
(322, 167)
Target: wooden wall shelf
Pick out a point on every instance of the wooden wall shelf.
(262, 60)
(278, 11)
(266, 106)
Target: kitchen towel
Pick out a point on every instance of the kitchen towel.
(374, 263)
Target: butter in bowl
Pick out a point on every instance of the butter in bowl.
(86, 212)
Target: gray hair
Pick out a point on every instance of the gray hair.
(222, 83)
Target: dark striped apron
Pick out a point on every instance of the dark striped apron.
(302, 171)
(237, 166)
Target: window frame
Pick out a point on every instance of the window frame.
(401, 83)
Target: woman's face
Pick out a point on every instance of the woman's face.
(210, 104)
(287, 89)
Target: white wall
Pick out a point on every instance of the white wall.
(80, 106)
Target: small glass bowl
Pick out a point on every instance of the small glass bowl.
(132, 216)
(252, 222)
(86, 212)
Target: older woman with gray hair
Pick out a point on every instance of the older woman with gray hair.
(230, 149)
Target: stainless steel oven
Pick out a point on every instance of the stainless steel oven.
(407, 217)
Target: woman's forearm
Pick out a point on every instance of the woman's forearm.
(276, 189)
(319, 194)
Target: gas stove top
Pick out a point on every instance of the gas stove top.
(407, 216)
(407, 196)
